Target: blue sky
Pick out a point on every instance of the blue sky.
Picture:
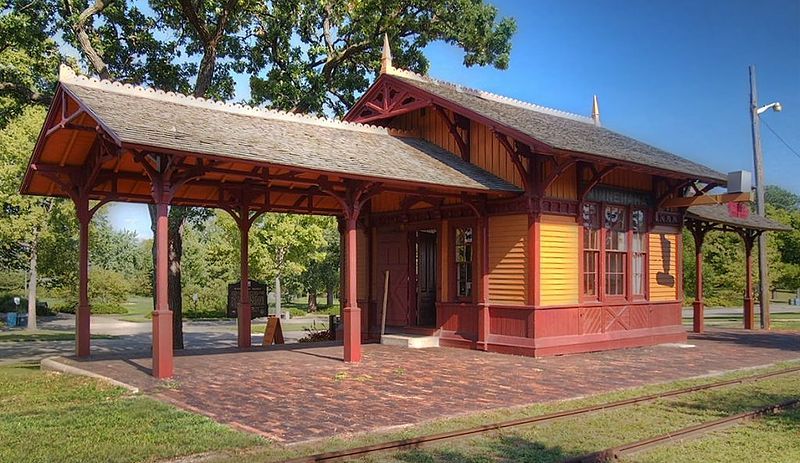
(670, 73)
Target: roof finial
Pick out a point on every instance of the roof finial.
(595, 111)
(386, 56)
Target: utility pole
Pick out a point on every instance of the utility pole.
(758, 160)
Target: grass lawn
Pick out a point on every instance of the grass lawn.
(50, 417)
(139, 309)
(47, 417)
(43, 335)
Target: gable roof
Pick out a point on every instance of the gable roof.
(720, 214)
(144, 117)
(557, 129)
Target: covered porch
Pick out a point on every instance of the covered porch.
(105, 142)
(733, 218)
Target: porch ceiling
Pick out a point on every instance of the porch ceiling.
(106, 130)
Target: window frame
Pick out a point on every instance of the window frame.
(601, 272)
(453, 272)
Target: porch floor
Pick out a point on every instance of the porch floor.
(297, 393)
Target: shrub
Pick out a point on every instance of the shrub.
(7, 305)
(212, 301)
(108, 291)
(314, 334)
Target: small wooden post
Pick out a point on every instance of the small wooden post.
(698, 322)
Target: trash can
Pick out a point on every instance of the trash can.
(11, 319)
(22, 319)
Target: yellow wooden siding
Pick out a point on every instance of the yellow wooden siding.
(663, 267)
(558, 264)
(508, 263)
(565, 186)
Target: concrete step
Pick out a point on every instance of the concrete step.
(412, 341)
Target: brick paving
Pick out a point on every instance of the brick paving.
(298, 392)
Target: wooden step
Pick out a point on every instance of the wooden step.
(412, 341)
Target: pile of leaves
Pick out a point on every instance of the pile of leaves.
(314, 334)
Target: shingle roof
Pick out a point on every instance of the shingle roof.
(559, 129)
(719, 213)
(156, 119)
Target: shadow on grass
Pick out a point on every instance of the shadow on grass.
(502, 448)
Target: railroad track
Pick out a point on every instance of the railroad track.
(432, 439)
(689, 432)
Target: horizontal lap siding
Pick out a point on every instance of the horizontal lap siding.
(558, 253)
(508, 262)
(663, 267)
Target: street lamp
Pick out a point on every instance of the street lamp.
(758, 160)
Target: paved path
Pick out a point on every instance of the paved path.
(296, 393)
(129, 337)
(723, 312)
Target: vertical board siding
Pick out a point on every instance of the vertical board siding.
(558, 240)
(362, 264)
(485, 151)
(565, 186)
(663, 267)
(508, 262)
(629, 180)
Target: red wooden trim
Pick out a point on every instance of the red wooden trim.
(535, 244)
(463, 146)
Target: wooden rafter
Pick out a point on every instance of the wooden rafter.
(463, 144)
(586, 186)
(516, 159)
(387, 100)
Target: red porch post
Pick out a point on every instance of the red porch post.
(483, 309)
(698, 305)
(352, 313)
(244, 312)
(749, 318)
(83, 312)
(162, 316)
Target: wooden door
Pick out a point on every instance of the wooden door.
(392, 255)
(426, 279)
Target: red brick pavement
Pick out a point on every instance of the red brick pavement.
(301, 393)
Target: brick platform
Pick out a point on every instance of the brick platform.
(300, 393)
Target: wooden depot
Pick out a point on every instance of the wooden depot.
(505, 226)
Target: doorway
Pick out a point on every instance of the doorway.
(425, 313)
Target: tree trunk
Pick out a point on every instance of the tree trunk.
(205, 75)
(329, 296)
(32, 286)
(175, 233)
(278, 296)
(312, 301)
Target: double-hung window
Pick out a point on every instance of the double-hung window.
(614, 252)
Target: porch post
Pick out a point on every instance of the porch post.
(352, 313)
(483, 309)
(83, 312)
(698, 305)
(748, 287)
(244, 312)
(162, 316)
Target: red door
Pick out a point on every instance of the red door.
(392, 252)
(426, 279)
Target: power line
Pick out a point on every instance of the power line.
(781, 139)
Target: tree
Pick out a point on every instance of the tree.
(290, 242)
(313, 56)
(322, 272)
(28, 56)
(25, 221)
(209, 40)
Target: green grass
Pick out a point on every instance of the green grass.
(46, 417)
(139, 309)
(773, 438)
(43, 335)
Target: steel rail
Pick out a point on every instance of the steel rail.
(689, 432)
(416, 442)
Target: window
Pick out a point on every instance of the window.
(616, 248)
(463, 244)
(639, 256)
(591, 251)
(614, 252)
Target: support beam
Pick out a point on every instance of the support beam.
(83, 312)
(483, 306)
(162, 316)
(699, 231)
(749, 237)
(245, 309)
